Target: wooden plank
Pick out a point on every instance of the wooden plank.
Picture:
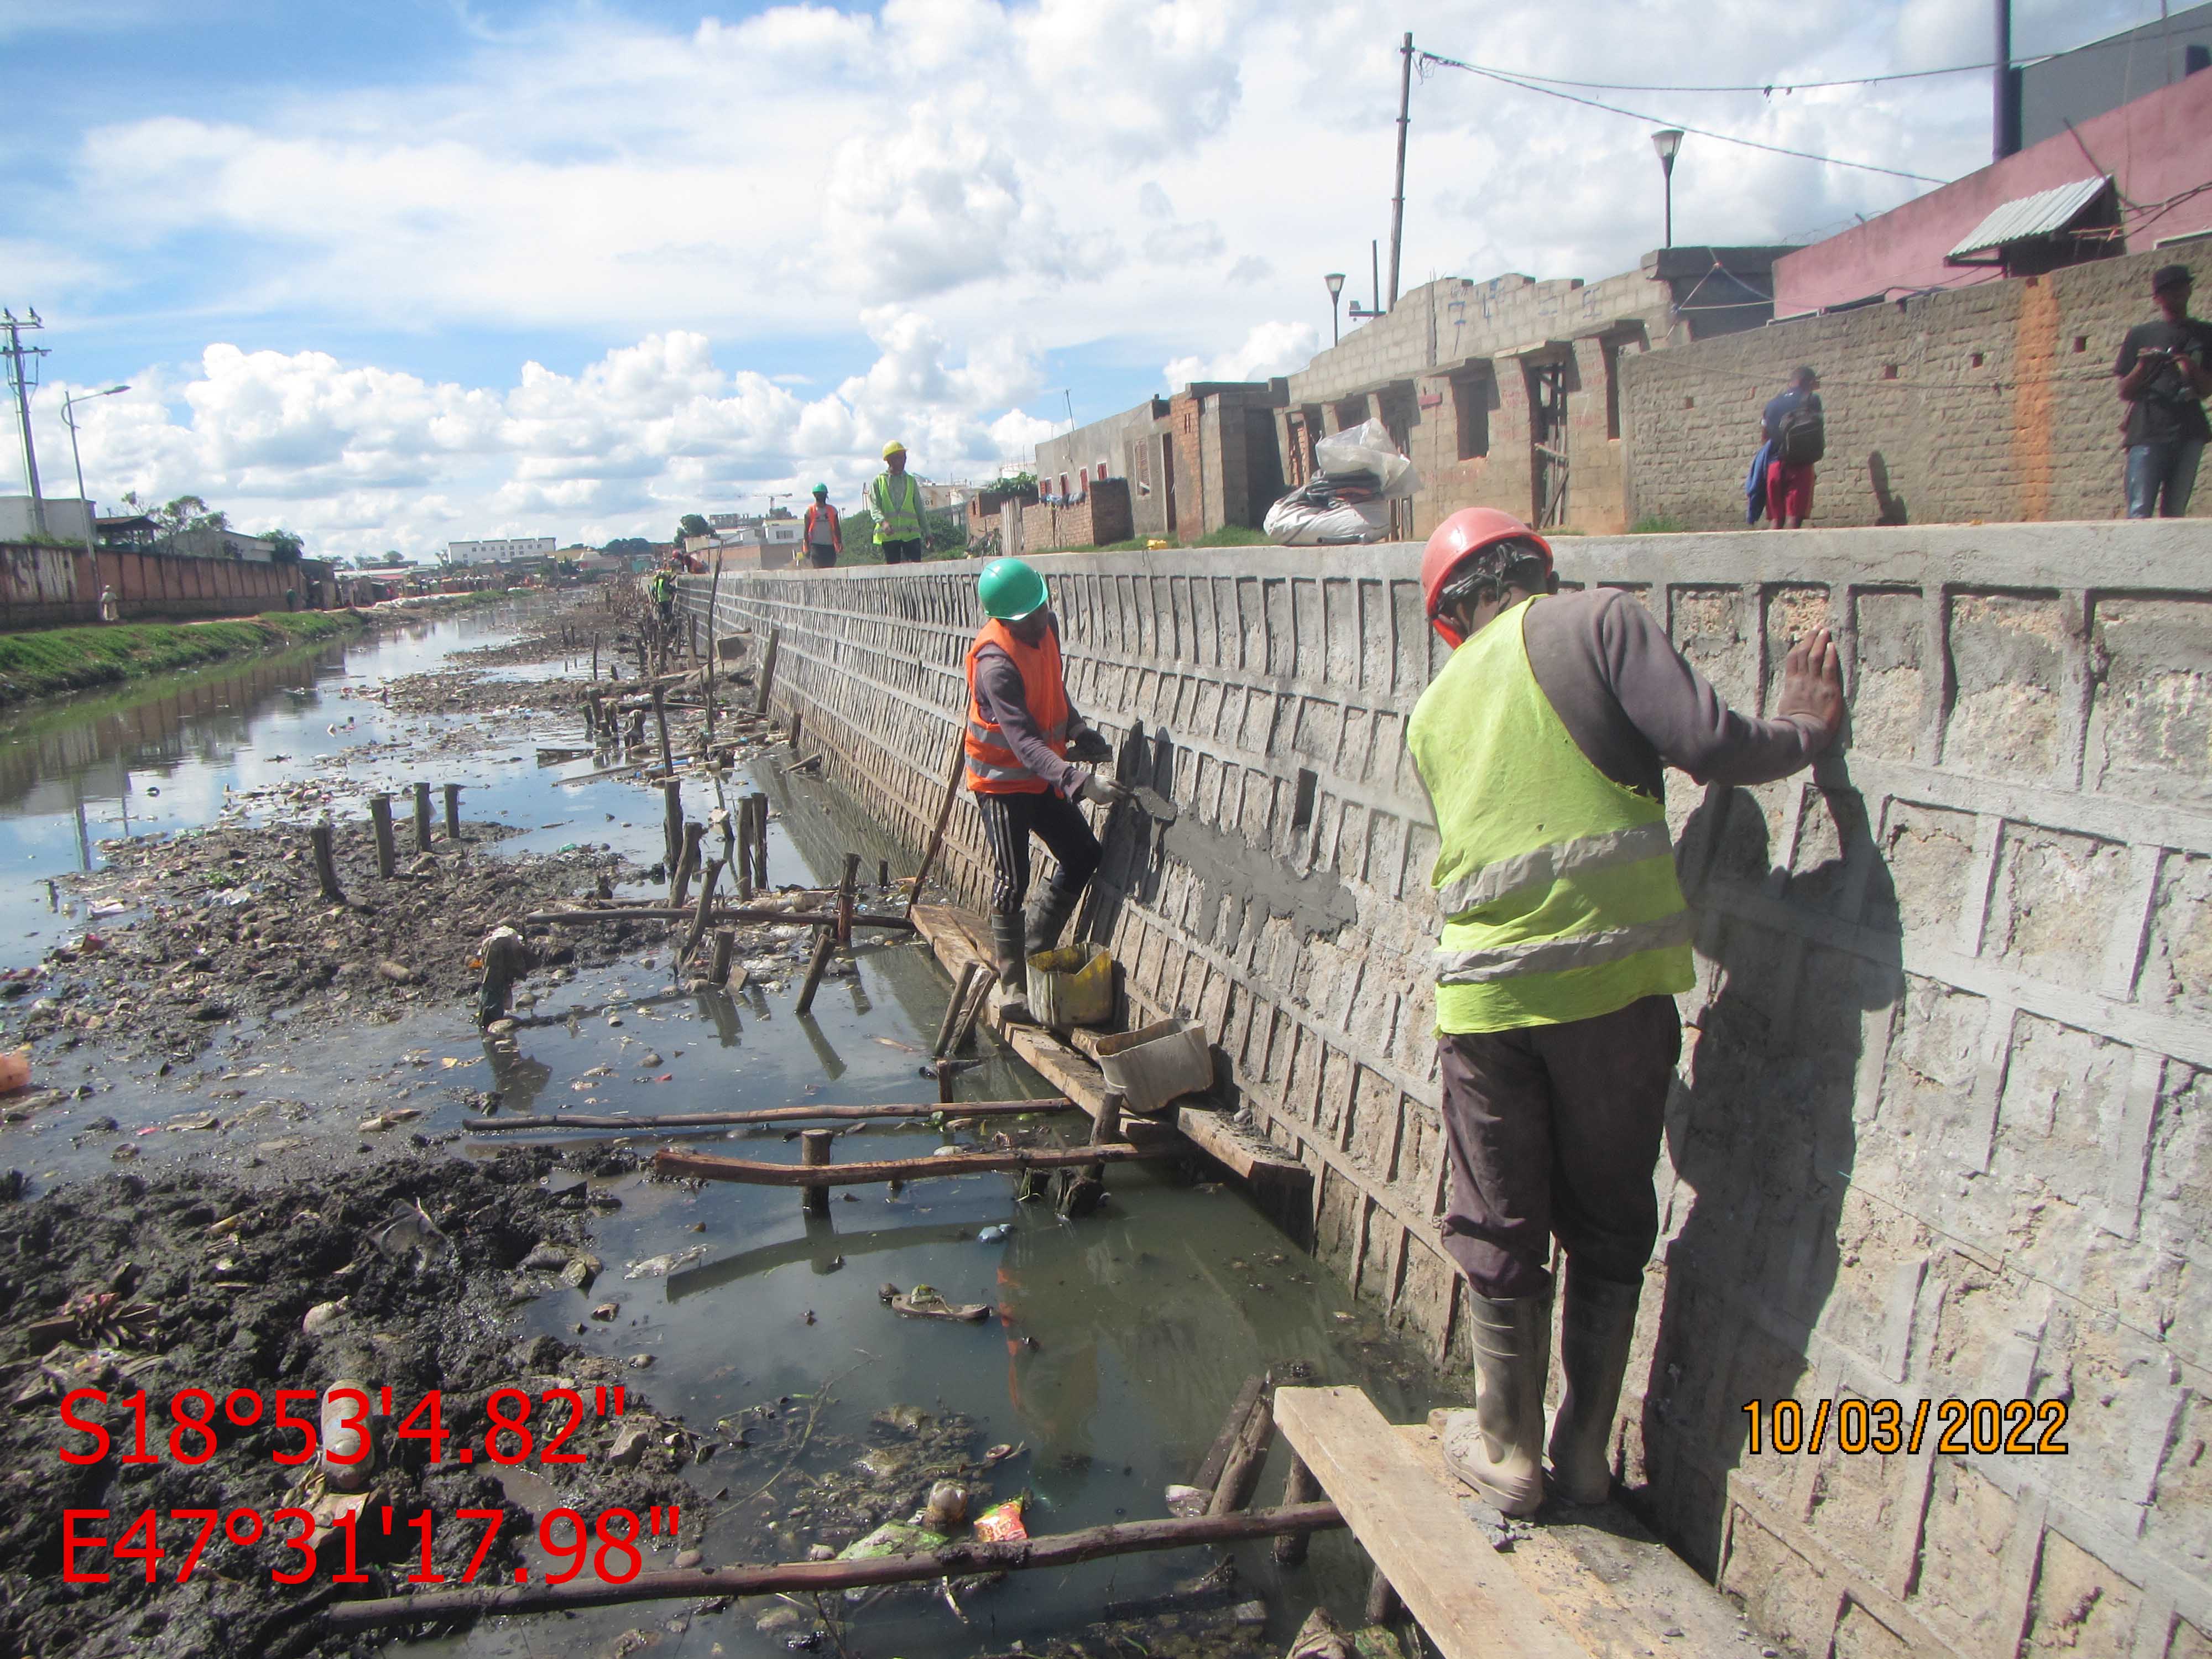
(1472, 1604)
(1612, 1585)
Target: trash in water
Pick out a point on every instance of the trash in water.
(653, 1266)
(1001, 1522)
(993, 1235)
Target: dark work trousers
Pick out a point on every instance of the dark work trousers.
(1008, 822)
(821, 555)
(901, 552)
(1554, 1129)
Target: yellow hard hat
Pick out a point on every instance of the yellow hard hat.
(894, 448)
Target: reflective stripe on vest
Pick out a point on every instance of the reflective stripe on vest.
(993, 768)
(1557, 884)
(896, 522)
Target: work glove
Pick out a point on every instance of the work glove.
(1101, 791)
(1090, 746)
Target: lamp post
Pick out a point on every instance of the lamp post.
(69, 416)
(1667, 141)
(1335, 281)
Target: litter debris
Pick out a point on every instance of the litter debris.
(1001, 1522)
(928, 1302)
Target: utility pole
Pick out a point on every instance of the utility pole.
(1398, 201)
(23, 374)
(2005, 102)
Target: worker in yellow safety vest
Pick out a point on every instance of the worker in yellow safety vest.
(1543, 743)
(1022, 731)
(895, 499)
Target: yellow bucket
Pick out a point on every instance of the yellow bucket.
(1072, 986)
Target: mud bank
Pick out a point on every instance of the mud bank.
(54, 660)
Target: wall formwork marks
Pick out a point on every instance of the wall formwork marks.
(1943, 1127)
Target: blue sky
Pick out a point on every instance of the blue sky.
(401, 272)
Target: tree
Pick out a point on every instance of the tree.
(623, 547)
(286, 547)
(693, 524)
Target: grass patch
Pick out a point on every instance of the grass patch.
(1658, 524)
(57, 660)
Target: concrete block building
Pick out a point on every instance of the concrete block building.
(1200, 461)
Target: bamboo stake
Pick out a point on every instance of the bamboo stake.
(706, 1166)
(775, 1114)
(952, 1008)
(818, 1577)
(944, 815)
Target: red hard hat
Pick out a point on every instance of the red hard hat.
(1467, 531)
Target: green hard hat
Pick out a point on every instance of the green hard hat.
(821, 489)
(1010, 589)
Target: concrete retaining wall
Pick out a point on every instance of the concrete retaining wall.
(1944, 1125)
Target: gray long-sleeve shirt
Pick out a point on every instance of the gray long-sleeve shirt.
(1635, 706)
(999, 688)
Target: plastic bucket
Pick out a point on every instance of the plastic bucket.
(1072, 986)
(1156, 1064)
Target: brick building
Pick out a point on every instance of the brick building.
(1988, 402)
(1197, 461)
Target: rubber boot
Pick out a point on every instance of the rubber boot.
(1497, 1448)
(1049, 917)
(1006, 940)
(1594, 1334)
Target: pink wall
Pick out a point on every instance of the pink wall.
(2157, 146)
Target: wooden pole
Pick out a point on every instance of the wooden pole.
(705, 1166)
(1217, 1455)
(1299, 1486)
(967, 972)
(595, 656)
(380, 817)
(453, 811)
(726, 944)
(326, 869)
(825, 941)
(1241, 1473)
(671, 823)
(661, 723)
(814, 1149)
(1383, 1604)
(767, 671)
(775, 1114)
(744, 849)
(820, 1577)
(706, 905)
(760, 842)
(845, 898)
(686, 861)
(944, 815)
(985, 979)
(422, 817)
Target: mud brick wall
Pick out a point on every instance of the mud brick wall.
(1993, 402)
(1944, 1120)
(1103, 515)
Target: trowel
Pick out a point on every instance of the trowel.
(1154, 806)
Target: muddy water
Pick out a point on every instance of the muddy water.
(1119, 1341)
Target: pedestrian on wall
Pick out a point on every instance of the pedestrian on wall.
(111, 608)
(1543, 744)
(824, 534)
(1796, 428)
(2165, 369)
(896, 501)
(1021, 731)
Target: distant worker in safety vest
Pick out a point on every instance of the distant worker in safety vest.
(1543, 743)
(895, 499)
(660, 588)
(1021, 731)
(825, 534)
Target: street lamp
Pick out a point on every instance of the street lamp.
(1667, 141)
(68, 405)
(1335, 281)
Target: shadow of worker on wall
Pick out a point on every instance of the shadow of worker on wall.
(1760, 1132)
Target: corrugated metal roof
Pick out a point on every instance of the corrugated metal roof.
(2043, 214)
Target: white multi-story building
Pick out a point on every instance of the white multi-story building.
(515, 547)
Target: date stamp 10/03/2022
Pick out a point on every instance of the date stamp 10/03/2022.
(2016, 1428)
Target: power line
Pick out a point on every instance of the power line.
(1669, 121)
(1769, 87)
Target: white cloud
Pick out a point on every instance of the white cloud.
(360, 458)
(1270, 349)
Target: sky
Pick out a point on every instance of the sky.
(393, 272)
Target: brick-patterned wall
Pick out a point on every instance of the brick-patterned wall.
(1919, 431)
(1100, 517)
(1944, 1122)
(45, 587)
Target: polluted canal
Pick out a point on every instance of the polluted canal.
(253, 1158)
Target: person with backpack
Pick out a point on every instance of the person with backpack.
(1797, 430)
